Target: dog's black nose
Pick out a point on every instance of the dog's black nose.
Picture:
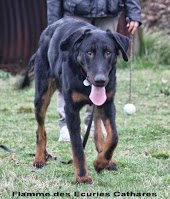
(100, 79)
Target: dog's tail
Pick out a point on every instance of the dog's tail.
(28, 75)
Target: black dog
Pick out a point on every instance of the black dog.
(69, 52)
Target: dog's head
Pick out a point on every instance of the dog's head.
(96, 52)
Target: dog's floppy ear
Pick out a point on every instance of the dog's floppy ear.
(122, 42)
(73, 38)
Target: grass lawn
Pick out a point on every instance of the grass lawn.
(142, 155)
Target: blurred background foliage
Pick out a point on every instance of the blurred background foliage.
(151, 41)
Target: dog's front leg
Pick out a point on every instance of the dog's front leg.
(73, 123)
(104, 159)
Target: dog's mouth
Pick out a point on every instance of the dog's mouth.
(98, 95)
(98, 90)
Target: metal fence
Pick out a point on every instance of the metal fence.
(21, 23)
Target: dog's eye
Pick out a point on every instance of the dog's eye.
(108, 53)
(90, 53)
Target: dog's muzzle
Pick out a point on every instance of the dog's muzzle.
(100, 80)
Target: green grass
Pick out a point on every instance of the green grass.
(142, 155)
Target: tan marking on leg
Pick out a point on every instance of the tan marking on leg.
(101, 162)
(47, 97)
(109, 135)
(81, 179)
(98, 134)
(40, 157)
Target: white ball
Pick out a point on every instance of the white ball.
(129, 109)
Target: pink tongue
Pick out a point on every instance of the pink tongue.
(98, 95)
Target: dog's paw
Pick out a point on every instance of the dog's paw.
(100, 165)
(39, 161)
(38, 165)
(48, 156)
(111, 166)
(84, 180)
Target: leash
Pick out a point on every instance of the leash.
(56, 158)
(88, 129)
(15, 152)
(129, 108)
(130, 68)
